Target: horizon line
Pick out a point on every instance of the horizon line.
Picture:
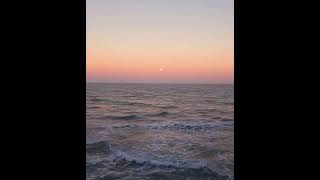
(192, 83)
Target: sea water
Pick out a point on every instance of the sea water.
(159, 131)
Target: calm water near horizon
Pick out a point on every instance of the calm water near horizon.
(159, 131)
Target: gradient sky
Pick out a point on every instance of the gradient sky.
(160, 41)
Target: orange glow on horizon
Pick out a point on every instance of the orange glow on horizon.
(129, 44)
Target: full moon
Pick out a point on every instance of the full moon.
(160, 69)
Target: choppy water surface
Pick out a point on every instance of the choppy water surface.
(149, 131)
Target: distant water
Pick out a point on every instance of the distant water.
(159, 131)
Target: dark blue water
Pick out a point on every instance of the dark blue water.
(159, 131)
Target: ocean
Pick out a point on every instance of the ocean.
(159, 131)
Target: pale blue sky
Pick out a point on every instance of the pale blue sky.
(120, 24)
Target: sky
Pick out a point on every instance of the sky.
(160, 41)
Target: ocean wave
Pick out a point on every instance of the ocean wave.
(127, 117)
(153, 169)
(167, 107)
(135, 103)
(226, 119)
(175, 126)
(160, 114)
(97, 100)
(98, 147)
(181, 126)
(93, 107)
